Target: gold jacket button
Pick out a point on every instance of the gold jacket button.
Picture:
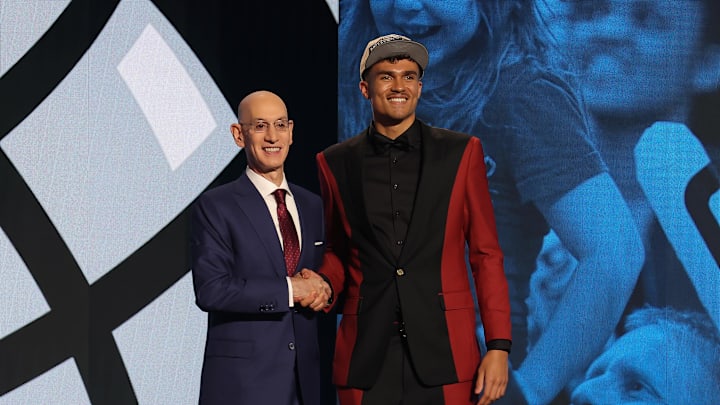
(400, 272)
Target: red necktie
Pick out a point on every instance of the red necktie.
(291, 246)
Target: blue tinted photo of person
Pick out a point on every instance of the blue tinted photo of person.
(642, 63)
(665, 356)
(495, 76)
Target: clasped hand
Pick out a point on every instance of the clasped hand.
(310, 290)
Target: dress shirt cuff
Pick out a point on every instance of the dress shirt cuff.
(499, 344)
(291, 303)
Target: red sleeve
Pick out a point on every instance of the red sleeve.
(485, 255)
(337, 230)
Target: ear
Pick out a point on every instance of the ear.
(707, 75)
(364, 89)
(238, 136)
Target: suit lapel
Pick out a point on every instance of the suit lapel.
(307, 242)
(437, 178)
(251, 203)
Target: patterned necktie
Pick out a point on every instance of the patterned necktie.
(291, 246)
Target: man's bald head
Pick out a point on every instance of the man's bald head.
(258, 98)
(264, 131)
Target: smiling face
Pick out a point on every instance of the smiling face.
(444, 27)
(393, 88)
(259, 131)
(636, 56)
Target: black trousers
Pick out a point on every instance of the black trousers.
(398, 384)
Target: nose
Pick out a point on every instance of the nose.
(398, 84)
(271, 135)
(580, 396)
(603, 389)
(407, 6)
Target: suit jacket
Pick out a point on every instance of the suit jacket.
(254, 339)
(430, 280)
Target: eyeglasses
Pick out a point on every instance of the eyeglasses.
(260, 126)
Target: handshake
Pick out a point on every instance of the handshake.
(310, 290)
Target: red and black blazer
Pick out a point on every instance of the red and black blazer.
(430, 280)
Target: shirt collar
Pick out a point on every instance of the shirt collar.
(264, 186)
(408, 140)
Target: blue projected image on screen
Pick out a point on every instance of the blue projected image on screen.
(639, 62)
(543, 170)
(512, 91)
(638, 368)
(434, 24)
(643, 67)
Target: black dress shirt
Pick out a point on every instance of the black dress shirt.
(392, 172)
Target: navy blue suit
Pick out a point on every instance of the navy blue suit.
(254, 339)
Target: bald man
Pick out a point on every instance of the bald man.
(250, 240)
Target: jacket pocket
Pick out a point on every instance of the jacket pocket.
(456, 300)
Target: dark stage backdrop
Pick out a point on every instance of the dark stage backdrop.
(115, 117)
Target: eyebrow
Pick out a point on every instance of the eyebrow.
(270, 119)
(403, 73)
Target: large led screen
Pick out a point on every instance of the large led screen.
(599, 121)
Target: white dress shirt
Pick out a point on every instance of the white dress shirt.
(266, 188)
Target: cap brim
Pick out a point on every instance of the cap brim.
(415, 50)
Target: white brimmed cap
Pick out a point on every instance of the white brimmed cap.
(391, 45)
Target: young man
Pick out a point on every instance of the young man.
(248, 239)
(403, 201)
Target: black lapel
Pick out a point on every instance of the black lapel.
(440, 159)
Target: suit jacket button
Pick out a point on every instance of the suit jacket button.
(400, 272)
(291, 346)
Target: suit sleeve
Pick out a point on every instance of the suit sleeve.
(336, 230)
(224, 279)
(485, 255)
